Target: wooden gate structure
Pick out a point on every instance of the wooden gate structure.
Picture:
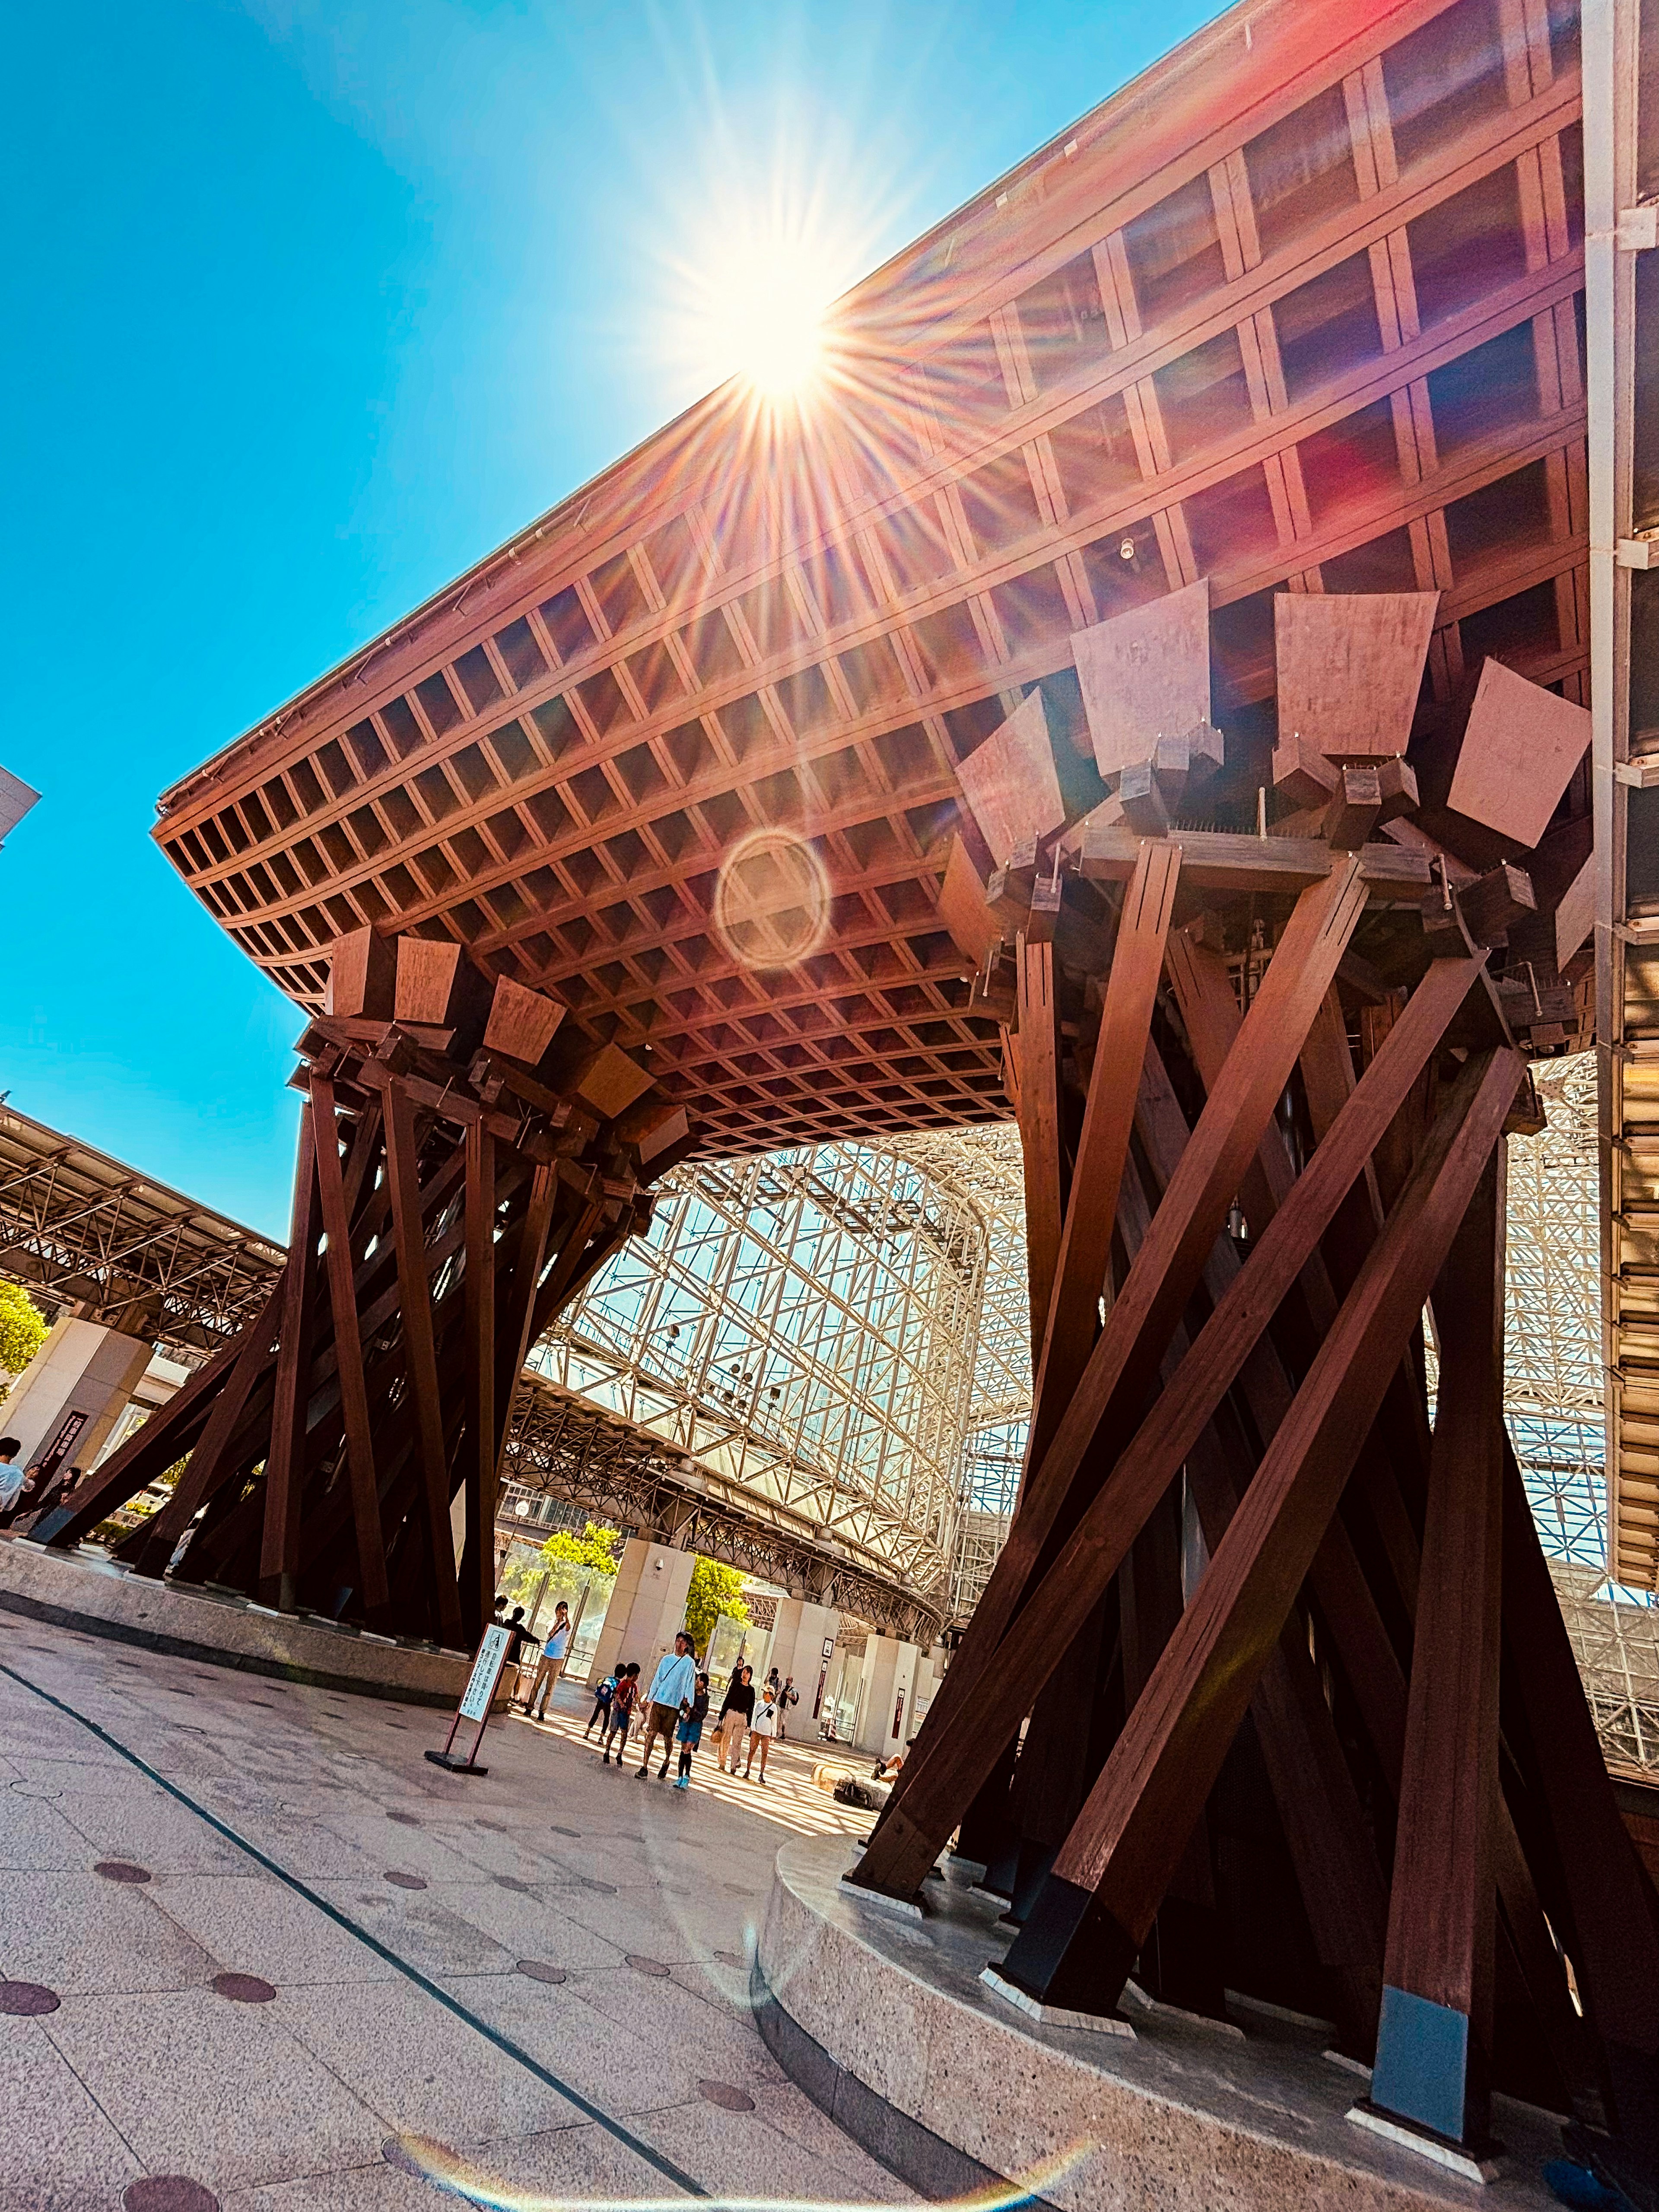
(1144, 688)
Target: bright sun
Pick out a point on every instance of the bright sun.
(765, 317)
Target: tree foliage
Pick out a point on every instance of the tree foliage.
(714, 1590)
(570, 1563)
(22, 1328)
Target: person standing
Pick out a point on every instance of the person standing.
(624, 1699)
(690, 1731)
(674, 1682)
(11, 1476)
(787, 1695)
(552, 1662)
(763, 1727)
(734, 1717)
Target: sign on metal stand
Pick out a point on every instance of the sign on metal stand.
(476, 1701)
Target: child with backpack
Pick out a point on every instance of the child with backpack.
(693, 1712)
(601, 1698)
(624, 1699)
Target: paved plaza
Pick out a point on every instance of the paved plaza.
(255, 1949)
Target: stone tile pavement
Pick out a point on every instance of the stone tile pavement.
(542, 1972)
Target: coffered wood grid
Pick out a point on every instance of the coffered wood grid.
(1298, 310)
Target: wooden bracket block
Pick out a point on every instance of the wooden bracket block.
(1146, 675)
(521, 1022)
(1520, 747)
(361, 976)
(1355, 805)
(1010, 784)
(1350, 669)
(440, 995)
(1140, 795)
(1489, 906)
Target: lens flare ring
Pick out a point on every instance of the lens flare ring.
(771, 901)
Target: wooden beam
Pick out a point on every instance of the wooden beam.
(1039, 1129)
(348, 1346)
(1085, 1242)
(419, 1353)
(209, 1464)
(951, 1758)
(1123, 1367)
(1224, 860)
(481, 1457)
(1434, 2042)
(1079, 1942)
(279, 1548)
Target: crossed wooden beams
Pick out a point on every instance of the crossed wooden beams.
(1364, 1631)
(464, 1170)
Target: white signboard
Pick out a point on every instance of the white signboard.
(486, 1671)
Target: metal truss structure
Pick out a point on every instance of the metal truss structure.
(804, 1327)
(125, 1249)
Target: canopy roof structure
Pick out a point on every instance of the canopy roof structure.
(1297, 311)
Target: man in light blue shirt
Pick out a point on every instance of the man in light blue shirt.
(675, 1678)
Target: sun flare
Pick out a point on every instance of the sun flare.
(764, 314)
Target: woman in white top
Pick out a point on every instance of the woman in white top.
(552, 1662)
(762, 1727)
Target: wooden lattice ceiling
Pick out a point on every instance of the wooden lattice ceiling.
(1300, 309)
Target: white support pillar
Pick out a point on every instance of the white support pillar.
(803, 1650)
(890, 1678)
(71, 1396)
(647, 1609)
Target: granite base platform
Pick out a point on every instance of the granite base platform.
(884, 2023)
(88, 1591)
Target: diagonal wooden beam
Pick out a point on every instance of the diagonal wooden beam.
(335, 1203)
(420, 1356)
(1079, 1942)
(1085, 1241)
(1039, 1129)
(480, 1450)
(279, 1544)
(209, 1461)
(1123, 1367)
(951, 1761)
(1434, 2042)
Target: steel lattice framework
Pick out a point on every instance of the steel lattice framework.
(127, 1250)
(805, 1325)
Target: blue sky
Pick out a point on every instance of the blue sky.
(311, 305)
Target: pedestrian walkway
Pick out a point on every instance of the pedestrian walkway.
(257, 1952)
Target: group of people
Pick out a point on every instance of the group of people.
(25, 1495)
(676, 1707)
(672, 1711)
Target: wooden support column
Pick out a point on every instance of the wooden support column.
(515, 1302)
(1080, 1940)
(420, 1356)
(1086, 1240)
(279, 1544)
(480, 1453)
(951, 1761)
(1122, 1368)
(1039, 1129)
(1434, 2043)
(348, 1345)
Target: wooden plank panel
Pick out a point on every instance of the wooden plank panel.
(1010, 784)
(1146, 675)
(1098, 1903)
(1350, 668)
(361, 976)
(1520, 747)
(974, 929)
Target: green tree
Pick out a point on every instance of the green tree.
(714, 1590)
(22, 1330)
(570, 1563)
